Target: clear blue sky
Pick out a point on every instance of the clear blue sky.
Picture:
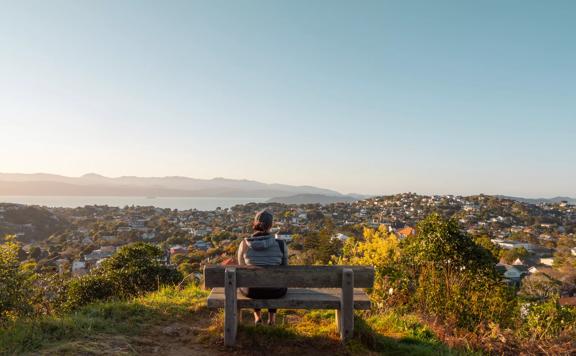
(359, 96)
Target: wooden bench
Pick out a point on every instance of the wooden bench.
(309, 287)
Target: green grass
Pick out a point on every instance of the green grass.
(117, 326)
(110, 318)
(387, 334)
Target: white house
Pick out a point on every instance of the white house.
(340, 237)
(79, 268)
(286, 238)
(150, 235)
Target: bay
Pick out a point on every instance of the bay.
(184, 203)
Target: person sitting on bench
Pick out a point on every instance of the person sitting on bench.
(263, 249)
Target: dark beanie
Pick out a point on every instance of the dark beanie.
(263, 218)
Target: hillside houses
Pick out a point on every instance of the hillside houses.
(509, 224)
(100, 254)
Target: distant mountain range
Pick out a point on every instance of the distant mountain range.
(540, 200)
(97, 185)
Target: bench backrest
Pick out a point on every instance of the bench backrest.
(289, 276)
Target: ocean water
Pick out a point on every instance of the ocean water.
(204, 203)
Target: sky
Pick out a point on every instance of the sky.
(373, 97)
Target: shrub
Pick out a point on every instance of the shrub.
(381, 250)
(88, 289)
(440, 272)
(548, 320)
(15, 286)
(133, 270)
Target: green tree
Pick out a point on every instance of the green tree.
(485, 242)
(509, 256)
(35, 253)
(455, 278)
(540, 286)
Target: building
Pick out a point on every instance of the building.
(79, 268)
(150, 235)
(285, 237)
(340, 237)
(405, 232)
(100, 254)
(202, 245)
(175, 250)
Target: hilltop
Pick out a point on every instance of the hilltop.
(176, 322)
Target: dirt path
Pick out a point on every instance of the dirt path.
(183, 337)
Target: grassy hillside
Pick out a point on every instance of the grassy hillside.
(176, 322)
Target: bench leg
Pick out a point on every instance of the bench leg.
(231, 307)
(338, 321)
(239, 315)
(347, 305)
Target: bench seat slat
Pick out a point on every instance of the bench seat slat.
(295, 298)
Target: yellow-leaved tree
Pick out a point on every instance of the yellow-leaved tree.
(380, 249)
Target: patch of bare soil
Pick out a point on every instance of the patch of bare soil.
(183, 337)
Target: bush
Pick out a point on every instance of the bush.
(133, 270)
(548, 320)
(441, 272)
(15, 284)
(88, 289)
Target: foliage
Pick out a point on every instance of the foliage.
(15, 283)
(485, 242)
(441, 243)
(540, 286)
(108, 318)
(131, 271)
(456, 278)
(440, 272)
(509, 256)
(317, 247)
(549, 319)
(381, 250)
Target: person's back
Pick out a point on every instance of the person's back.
(263, 249)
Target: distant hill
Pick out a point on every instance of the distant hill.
(97, 185)
(312, 199)
(554, 200)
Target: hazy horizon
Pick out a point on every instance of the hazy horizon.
(376, 97)
(325, 187)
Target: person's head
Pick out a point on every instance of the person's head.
(263, 221)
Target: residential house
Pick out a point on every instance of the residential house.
(286, 237)
(150, 235)
(178, 249)
(405, 232)
(202, 245)
(99, 254)
(79, 268)
(513, 273)
(340, 237)
(87, 241)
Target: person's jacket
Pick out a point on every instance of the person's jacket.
(263, 250)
